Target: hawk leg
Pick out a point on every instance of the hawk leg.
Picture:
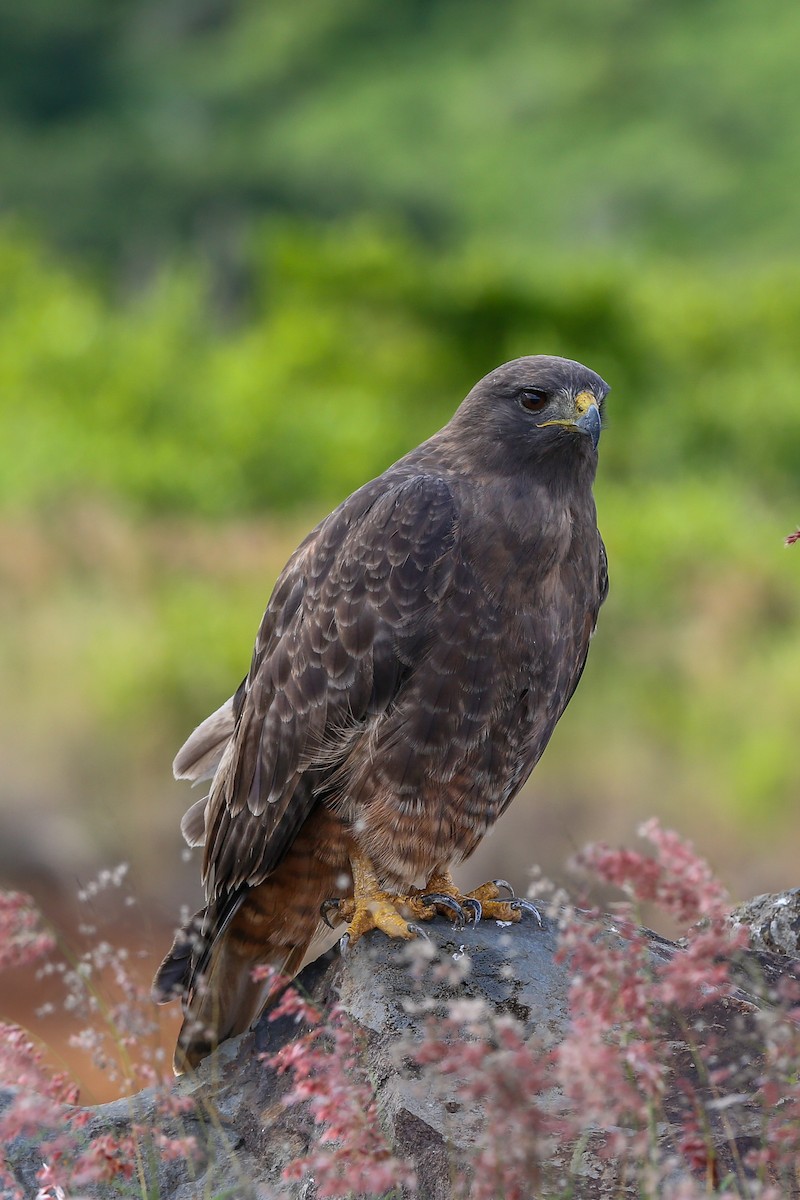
(371, 907)
(483, 901)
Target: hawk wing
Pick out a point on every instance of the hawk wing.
(347, 619)
(602, 576)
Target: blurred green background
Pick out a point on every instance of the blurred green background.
(250, 253)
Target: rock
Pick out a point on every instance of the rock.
(248, 1135)
(773, 921)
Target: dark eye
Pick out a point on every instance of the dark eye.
(533, 399)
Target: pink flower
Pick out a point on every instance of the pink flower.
(22, 939)
(351, 1156)
(105, 1158)
(677, 880)
(176, 1148)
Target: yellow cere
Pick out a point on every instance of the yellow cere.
(583, 402)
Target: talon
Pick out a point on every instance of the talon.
(344, 944)
(503, 883)
(473, 906)
(526, 906)
(417, 930)
(440, 900)
(373, 907)
(326, 907)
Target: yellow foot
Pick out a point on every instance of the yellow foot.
(371, 907)
(393, 915)
(480, 903)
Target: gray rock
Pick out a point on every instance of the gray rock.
(248, 1135)
(773, 921)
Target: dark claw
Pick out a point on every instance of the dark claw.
(325, 908)
(475, 907)
(503, 883)
(444, 901)
(417, 929)
(526, 906)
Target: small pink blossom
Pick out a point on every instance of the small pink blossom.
(676, 879)
(22, 940)
(176, 1148)
(105, 1158)
(351, 1156)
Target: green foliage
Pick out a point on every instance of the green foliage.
(358, 345)
(669, 127)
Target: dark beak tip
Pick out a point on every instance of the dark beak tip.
(590, 423)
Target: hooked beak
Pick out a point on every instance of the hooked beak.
(590, 423)
(587, 417)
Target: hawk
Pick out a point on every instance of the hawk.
(415, 655)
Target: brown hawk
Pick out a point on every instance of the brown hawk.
(417, 651)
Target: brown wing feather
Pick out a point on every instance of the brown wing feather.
(347, 616)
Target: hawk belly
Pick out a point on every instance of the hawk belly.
(466, 733)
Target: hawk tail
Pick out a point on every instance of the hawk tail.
(228, 1000)
(213, 959)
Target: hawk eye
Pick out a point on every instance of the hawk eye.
(533, 399)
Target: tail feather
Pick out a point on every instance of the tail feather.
(227, 1000)
(198, 759)
(275, 923)
(200, 755)
(212, 959)
(189, 955)
(221, 997)
(174, 975)
(193, 823)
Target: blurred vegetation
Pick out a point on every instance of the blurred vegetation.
(671, 126)
(251, 254)
(358, 345)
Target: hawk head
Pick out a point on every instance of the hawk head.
(536, 407)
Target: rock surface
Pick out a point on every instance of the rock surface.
(773, 922)
(248, 1135)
